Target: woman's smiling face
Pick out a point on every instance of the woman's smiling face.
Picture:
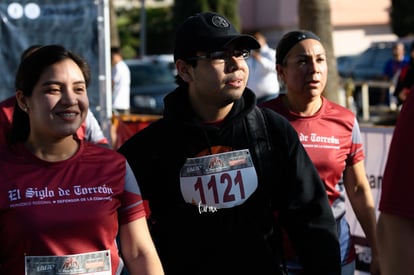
(59, 103)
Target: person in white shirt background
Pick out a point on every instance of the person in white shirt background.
(121, 83)
(262, 65)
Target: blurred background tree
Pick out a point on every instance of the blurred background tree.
(161, 24)
(402, 17)
(184, 8)
(113, 25)
(159, 32)
(315, 15)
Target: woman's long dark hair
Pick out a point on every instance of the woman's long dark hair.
(28, 74)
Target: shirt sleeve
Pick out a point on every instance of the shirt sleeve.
(132, 204)
(356, 153)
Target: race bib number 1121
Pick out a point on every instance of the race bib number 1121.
(220, 181)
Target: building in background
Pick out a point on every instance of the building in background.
(129, 4)
(356, 24)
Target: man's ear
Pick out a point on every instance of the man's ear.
(184, 70)
(21, 100)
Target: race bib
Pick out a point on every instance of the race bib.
(218, 181)
(96, 263)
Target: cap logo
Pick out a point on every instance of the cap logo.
(220, 22)
(301, 37)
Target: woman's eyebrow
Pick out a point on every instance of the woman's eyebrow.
(53, 82)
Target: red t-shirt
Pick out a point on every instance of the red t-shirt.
(64, 208)
(332, 139)
(397, 184)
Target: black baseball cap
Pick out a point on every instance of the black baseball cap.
(208, 31)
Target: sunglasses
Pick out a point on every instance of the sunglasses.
(223, 56)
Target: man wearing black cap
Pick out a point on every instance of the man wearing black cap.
(216, 170)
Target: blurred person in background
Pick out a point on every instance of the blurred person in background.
(406, 79)
(262, 70)
(121, 83)
(393, 66)
(392, 71)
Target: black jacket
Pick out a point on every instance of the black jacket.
(240, 239)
